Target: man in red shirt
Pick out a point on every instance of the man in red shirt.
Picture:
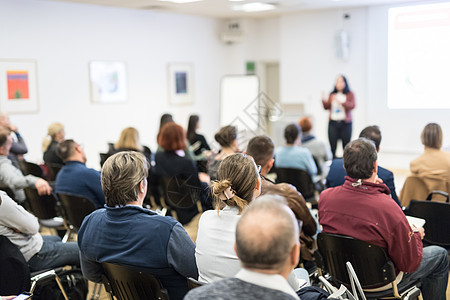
(363, 209)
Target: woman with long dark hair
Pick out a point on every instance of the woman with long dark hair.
(193, 137)
(341, 102)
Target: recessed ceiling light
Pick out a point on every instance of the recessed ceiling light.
(180, 1)
(253, 7)
(236, 0)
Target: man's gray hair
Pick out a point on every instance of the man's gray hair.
(121, 176)
(266, 233)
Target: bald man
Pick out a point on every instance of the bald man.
(268, 248)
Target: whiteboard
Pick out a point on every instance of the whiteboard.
(239, 100)
(240, 106)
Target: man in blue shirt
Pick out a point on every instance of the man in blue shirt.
(75, 178)
(125, 233)
(293, 156)
(337, 173)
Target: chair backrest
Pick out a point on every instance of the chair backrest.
(53, 170)
(29, 168)
(76, 208)
(298, 178)
(418, 188)
(103, 158)
(43, 207)
(14, 274)
(126, 283)
(437, 217)
(180, 196)
(371, 264)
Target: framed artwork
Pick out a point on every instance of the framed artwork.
(108, 81)
(18, 86)
(181, 83)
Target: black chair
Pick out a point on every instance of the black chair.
(437, 217)
(53, 170)
(370, 262)
(300, 179)
(103, 158)
(15, 274)
(46, 209)
(126, 283)
(75, 209)
(29, 168)
(180, 197)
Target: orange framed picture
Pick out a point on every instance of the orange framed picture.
(18, 86)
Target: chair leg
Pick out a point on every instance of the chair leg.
(61, 287)
(48, 274)
(96, 291)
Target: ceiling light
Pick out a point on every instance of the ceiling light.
(253, 7)
(180, 1)
(236, 0)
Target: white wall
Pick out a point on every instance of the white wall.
(64, 37)
(309, 64)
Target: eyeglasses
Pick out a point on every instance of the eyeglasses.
(259, 168)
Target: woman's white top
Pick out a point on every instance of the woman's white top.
(214, 252)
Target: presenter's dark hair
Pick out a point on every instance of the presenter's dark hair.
(346, 89)
(359, 157)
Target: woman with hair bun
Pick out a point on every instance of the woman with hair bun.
(227, 139)
(238, 183)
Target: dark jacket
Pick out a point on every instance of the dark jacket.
(137, 237)
(298, 205)
(50, 156)
(76, 179)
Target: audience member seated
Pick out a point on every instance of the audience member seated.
(292, 155)
(363, 209)
(75, 178)
(261, 148)
(172, 162)
(336, 175)
(227, 139)
(165, 118)
(129, 141)
(193, 137)
(319, 149)
(40, 252)
(12, 178)
(238, 185)
(268, 249)
(433, 163)
(55, 135)
(18, 147)
(125, 233)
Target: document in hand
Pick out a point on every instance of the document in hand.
(416, 222)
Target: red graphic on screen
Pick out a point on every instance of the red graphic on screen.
(17, 85)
